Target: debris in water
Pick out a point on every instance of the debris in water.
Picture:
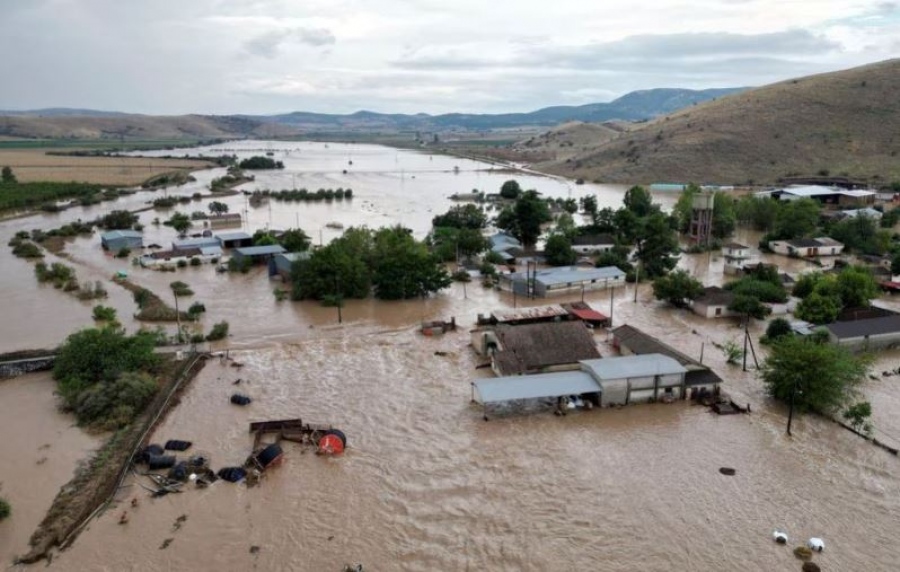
(780, 536)
(240, 399)
(803, 552)
(179, 521)
(166, 543)
(727, 471)
(810, 567)
(254, 549)
(124, 518)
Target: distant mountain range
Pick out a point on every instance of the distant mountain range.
(634, 106)
(83, 123)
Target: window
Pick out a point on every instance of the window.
(718, 311)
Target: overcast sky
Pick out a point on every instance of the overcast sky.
(340, 56)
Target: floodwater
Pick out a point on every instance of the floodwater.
(427, 484)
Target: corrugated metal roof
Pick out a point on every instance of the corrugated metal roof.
(860, 328)
(529, 313)
(194, 242)
(259, 250)
(553, 384)
(566, 274)
(211, 250)
(589, 315)
(121, 234)
(236, 235)
(633, 366)
(818, 190)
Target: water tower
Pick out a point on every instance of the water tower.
(702, 217)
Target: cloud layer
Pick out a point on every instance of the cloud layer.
(261, 56)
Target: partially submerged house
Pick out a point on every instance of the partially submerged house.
(593, 243)
(198, 242)
(116, 240)
(507, 246)
(535, 348)
(827, 196)
(162, 258)
(632, 341)
(562, 279)
(227, 220)
(281, 263)
(236, 239)
(713, 303)
(807, 247)
(256, 254)
(864, 329)
(531, 315)
(736, 257)
(610, 381)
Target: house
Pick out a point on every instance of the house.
(281, 263)
(713, 303)
(172, 257)
(632, 341)
(736, 257)
(867, 212)
(807, 247)
(227, 220)
(234, 239)
(199, 242)
(256, 254)
(506, 245)
(116, 240)
(532, 315)
(563, 279)
(593, 243)
(866, 334)
(583, 311)
(636, 378)
(535, 348)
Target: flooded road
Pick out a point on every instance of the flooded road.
(427, 485)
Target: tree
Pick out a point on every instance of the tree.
(461, 216)
(565, 225)
(895, 263)
(180, 222)
(218, 208)
(617, 256)
(677, 288)
(259, 163)
(179, 288)
(796, 219)
(7, 176)
(589, 207)
(856, 287)
(758, 212)
(762, 290)
(822, 377)
(777, 329)
(559, 251)
(806, 284)
(447, 242)
(749, 305)
(295, 240)
(510, 189)
(118, 220)
(403, 268)
(638, 200)
(818, 309)
(724, 215)
(657, 246)
(263, 238)
(525, 218)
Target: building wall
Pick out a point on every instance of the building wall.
(615, 392)
(591, 248)
(867, 343)
(709, 311)
(118, 243)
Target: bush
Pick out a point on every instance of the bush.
(239, 265)
(777, 329)
(281, 295)
(196, 308)
(114, 405)
(462, 275)
(5, 509)
(195, 261)
(124, 252)
(197, 338)
(104, 313)
(27, 250)
(182, 263)
(219, 332)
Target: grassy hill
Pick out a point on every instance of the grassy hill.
(841, 123)
(136, 127)
(565, 141)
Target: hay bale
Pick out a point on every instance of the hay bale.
(810, 567)
(803, 552)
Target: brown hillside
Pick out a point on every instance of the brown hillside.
(845, 123)
(565, 141)
(137, 127)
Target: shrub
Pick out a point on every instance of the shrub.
(114, 405)
(27, 250)
(104, 313)
(182, 263)
(124, 252)
(197, 338)
(195, 261)
(462, 275)
(196, 309)
(179, 288)
(280, 295)
(219, 332)
(5, 509)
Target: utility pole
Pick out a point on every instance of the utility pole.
(637, 281)
(746, 335)
(791, 410)
(338, 299)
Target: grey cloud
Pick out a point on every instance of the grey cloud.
(633, 52)
(267, 45)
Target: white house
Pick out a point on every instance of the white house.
(807, 247)
(593, 243)
(636, 378)
(713, 303)
(736, 257)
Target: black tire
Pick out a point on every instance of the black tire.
(179, 472)
(176, 445)
(239, 399)
(232, 474)
(340, 435)
(157, 462)
(269, 454)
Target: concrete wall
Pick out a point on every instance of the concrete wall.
(869, 343)
(20, 367)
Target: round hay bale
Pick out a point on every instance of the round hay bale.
(810, 567)
(803, 552)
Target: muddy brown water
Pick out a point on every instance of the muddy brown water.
(427, 484)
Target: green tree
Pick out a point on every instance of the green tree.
(617, 256)
(589, 207)
(818, 309)
(525, 218)
(796, 219)
(638, 200)
(724, 215)
(565, 225)
(858, 415)
(260, 163)
(263, 238)
(295, 240)
(749, 305)
(657, 246)
(218, 208)
(822, 377)
(762, 290)
(856, 287)
(895, 263)
(510, 189)
(806, 284)
(180, 222)
(559, 251)
(758, 212)
(342, 266)
(777, 329)
(684, 207)
(461, 216)
(118, 220)
(7, 176)
(447, 242)
(403, 268)
(5, 509)
(677, 288)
